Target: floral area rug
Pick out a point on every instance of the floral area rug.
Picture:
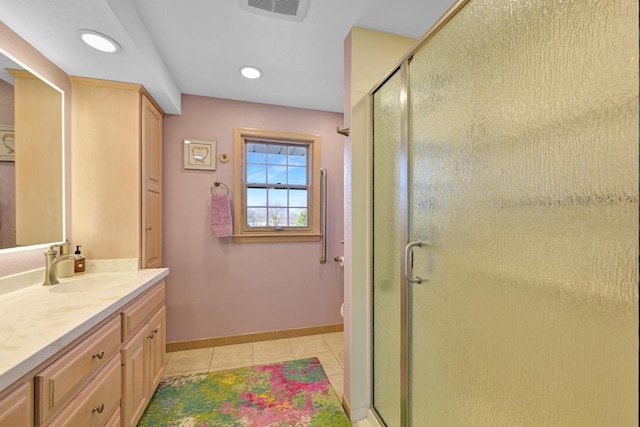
(295, 393)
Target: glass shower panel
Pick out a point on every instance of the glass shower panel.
(524, 183)
(387, 244)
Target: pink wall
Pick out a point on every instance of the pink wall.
(217, 287)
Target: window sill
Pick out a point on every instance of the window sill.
(279, 237)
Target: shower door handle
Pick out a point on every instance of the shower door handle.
(408, 266)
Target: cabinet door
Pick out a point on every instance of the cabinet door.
(152, 185)
(135, 378)
(157, 349)
(16, 410)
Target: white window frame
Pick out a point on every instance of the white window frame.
(245, 234)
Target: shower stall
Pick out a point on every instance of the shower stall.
(505, 219)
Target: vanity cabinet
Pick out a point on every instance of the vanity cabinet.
(143, 354)
(116, 171)
(104, 378)
(16, 409)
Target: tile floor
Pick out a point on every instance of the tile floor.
(328, 348)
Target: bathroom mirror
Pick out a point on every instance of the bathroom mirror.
(31, 158)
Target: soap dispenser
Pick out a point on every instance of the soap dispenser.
(66, 267)
(79, 263)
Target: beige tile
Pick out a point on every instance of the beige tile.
(327, 360)
(272, 351)
(193, 371)
(337, 382)
(189, 360)
(308, 345)
(232, 366)
(363, 423)
(199, 344)
(232, 356)
(335, 340)
(340, 356)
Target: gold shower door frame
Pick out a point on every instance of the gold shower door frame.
(402, 67)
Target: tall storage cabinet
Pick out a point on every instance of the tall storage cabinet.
(116, 172)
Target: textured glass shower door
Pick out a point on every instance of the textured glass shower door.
(523, 175)
(389, 221)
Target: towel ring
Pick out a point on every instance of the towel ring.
(218, 184)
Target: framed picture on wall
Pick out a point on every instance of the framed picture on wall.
(199, 154)
(7, 143)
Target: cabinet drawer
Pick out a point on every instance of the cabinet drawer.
(115, 420)
(95, 404)
(62, 379)
(134, 316)
(16, 410)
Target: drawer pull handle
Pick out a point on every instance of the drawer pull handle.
(99, 355)
(153, 333)
(98, 408)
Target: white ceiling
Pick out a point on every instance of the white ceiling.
(197, 46)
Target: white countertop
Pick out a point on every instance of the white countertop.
(38, 321)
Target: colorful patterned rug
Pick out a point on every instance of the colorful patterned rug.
(295, 393)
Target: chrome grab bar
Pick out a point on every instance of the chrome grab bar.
(407, 264)
(323, 214)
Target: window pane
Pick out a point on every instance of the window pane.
(277, 154)
(277, 197)
(256, 158)
(256, 153)
(256, 173)
(277, 175)
(277, 217)
(256, 197)
(298, 198)
(298, 156)
(298, 218)
(256, 217)
(297, 176)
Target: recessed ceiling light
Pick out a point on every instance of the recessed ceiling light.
(99, 41)
(250, 72)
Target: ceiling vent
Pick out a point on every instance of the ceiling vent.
(288, 10)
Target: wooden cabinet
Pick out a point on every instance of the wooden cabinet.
(143, 355)
(116, 171)
(157, 348)
(105, 379)
(135, 378)
(60, 381)
(16, 409)
(93, 406)
(151, 185)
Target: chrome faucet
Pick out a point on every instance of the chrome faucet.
(51, 262)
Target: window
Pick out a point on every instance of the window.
(276, 186)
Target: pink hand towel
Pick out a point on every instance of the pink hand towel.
(221, 224)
